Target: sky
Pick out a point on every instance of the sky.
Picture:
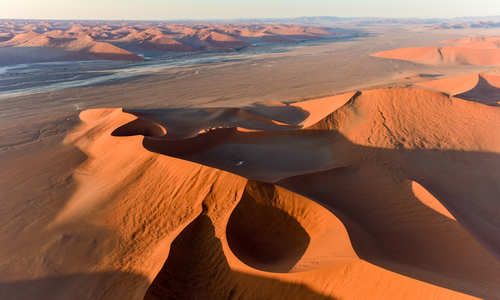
(234, 9)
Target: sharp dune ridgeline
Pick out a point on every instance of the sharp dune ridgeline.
(374, 194)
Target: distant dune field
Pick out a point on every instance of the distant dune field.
(60, 40)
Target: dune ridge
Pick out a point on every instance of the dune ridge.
(286, 200)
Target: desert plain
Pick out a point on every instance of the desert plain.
(309, 163)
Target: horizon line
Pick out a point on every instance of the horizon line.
(251, 18)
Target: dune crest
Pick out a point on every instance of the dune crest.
(318, 109)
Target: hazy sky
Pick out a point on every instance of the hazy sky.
(206, 9)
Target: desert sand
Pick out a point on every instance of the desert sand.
(388, 190)
(361, 198)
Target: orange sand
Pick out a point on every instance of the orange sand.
(379, 194)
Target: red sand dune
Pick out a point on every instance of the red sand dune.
(467, 51)
(390, 194)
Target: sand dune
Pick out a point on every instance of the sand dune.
(387, 194)
(32, 46)
(483, 87)
(452, 85)
(424, 55)
(101, 40)
(476, 50)
(298, 234)
(320, 108)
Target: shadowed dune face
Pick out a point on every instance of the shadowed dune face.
(483, 92)
(183, 123)
(210, 276)
(140, 127)
(244, 153)
(295, 233)
(188, 123)
(282, 240)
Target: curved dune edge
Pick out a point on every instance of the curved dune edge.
(480, 87)
(295, 234)
(453, 85)
(171, 217)
(429, 200)
(424, 55)
(318, 109)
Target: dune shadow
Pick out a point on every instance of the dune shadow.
(182, 123)
(282, 113)
(390, 227)
(263, 156)
(430, 75)
(140, 127)
(262, 235)
(483, 92)
(197, 268)
(375, 200)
